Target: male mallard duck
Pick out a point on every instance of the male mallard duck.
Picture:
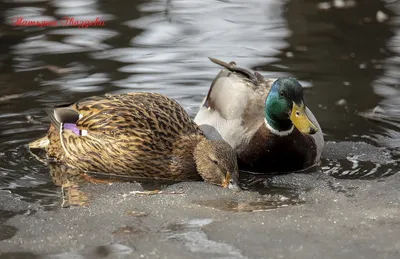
(144, 135)
(266, 121)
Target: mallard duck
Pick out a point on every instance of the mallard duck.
(144, 135)
(266, 121)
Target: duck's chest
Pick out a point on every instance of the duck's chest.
(266, 152)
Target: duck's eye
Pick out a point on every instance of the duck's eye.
(214, 161)
(297, 113)
(281, 94)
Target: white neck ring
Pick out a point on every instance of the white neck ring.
(277, 132)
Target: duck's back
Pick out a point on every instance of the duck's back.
(133, 111)
(233, 108)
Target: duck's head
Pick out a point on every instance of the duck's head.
(285, 107)
(216, 162)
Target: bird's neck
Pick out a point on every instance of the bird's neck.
(276, 126)
(183, 153)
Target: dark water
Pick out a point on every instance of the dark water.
(346, 54)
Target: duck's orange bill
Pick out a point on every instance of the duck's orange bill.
(226, 181)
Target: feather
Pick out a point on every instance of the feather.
(232, 67)
(62, 114)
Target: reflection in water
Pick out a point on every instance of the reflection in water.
(69, 180)
(387, 112)
(72, 180)
(343, 55)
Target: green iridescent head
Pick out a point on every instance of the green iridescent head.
(285, 107)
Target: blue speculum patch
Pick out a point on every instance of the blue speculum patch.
(71, 126)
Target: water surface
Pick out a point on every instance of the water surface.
(345, 53)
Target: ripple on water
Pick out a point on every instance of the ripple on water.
(353, 168)
(358, 160)
(21, 172)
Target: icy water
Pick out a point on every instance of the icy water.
(345, 53)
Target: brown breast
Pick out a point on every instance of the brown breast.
(270, 153)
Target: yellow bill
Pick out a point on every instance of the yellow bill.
(226, 181)
(301, 121)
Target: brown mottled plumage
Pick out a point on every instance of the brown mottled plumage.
(137, 134)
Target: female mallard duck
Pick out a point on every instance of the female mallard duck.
(265, 121)
(144, 135)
